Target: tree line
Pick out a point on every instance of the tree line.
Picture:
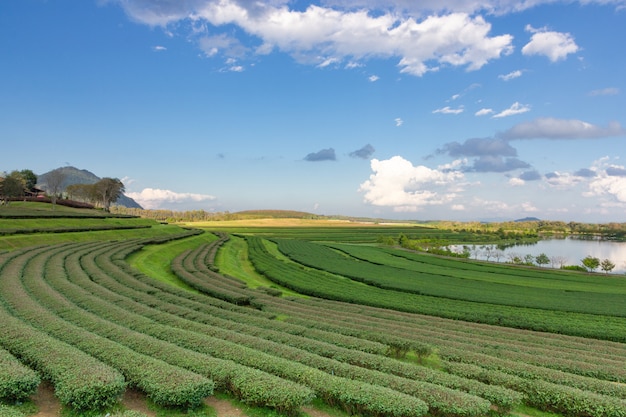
(20, 184)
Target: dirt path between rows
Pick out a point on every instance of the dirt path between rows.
(49, 405)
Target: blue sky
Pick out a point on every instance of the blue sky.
(451, 109)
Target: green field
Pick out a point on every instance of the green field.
(291, 317)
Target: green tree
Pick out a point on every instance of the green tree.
(108, 190)
(30, 179)
(542, 259)
(11, 186)
(607, 266)
(591, 263)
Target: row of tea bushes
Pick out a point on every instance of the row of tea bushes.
(17, 381)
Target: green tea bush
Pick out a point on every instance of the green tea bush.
(16, 380)
(80, 381)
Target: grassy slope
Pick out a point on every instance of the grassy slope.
(232, 259)
(155, 260)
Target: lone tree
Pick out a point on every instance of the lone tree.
(108, 191)
(591, 263)
(55, 180)
(607, 266)
(542, 259)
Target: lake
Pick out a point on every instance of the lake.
(571, 249)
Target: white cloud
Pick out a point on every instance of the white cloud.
(373, 78)
(212, 45)
(397, 183)
(554, 45)
(319, 35)
(516, 182)
(562, 180)
(449, 110)
(511, 75)
(483, 112)
(328, 62)
(551, 128)
(352, 65)
(398, 121)
(529, 207)
(159, 48)
(516, 108)
(127, 181)
(610, 91)
(496, 7)
(154, 198)
(606, 185)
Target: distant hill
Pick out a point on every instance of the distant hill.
(528, 219)
(82, 176)
(276, 214)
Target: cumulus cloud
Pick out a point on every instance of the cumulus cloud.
(510, 75)
(613, 187)
(449, 110)
(154, 198)
(551, 128)
(373, 78)
(336, 32)
(516, 108)
(399, 121)
(555, 45)
(323, 155)
(396, 183)
(364, 153)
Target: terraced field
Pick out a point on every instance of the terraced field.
(77, 314)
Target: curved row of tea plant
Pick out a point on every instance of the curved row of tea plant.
(546, 395)
(549, 403)
(324, 285)
(454, 283)
(565, 387)
(147, 291)
(502, 398)
(583, 362)
(224, 330)
(361, 397)
(485, 271)
(359, 324)
(80, 381)
(165, 384)
(17, 381)
(244, 382)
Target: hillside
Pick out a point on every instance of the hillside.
(82, 176)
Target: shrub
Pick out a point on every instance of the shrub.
(17, 382)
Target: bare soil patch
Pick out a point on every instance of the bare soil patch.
(49, 405)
